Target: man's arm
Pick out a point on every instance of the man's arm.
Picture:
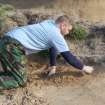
(53, 55)
(68, 56)
(71, 59)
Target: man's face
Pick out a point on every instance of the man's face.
(65, 28)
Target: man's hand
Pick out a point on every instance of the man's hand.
(88, 69)
(51, 70)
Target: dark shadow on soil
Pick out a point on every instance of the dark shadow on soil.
(99, 69)
(44, 76)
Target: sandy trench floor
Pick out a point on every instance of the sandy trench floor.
(68, 87)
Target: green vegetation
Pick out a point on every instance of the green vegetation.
(4, 9)
(78, 33)
(44, 53)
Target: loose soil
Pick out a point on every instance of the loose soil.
(67, 87)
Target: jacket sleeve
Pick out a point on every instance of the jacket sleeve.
(71, 59)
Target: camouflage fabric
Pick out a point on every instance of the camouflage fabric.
(12, 59)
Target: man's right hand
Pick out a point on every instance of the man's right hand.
(88, 69)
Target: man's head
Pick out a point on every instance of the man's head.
(63, 23)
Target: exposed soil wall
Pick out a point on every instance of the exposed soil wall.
(92, 10)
